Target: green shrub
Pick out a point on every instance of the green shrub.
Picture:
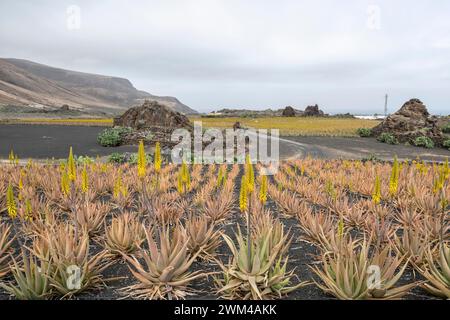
(423, 141)
(149, 136)
(127, 157)
(112, 137)
(81, 160)
(372, 158)
(446, 128)
(134, 157)
(446, 144)
(388, 138)
(117, 158)
(364, 132)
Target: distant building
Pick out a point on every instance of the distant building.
(374, 117)
(214, 114)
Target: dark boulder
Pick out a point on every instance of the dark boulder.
(237, 125)
(152, 114)
(288, 112)
(412, 120)
(313, 111)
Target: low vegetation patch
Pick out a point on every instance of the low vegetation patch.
(372, 157)
(424, 142)
(364, 132)
(130, 158)
(117, 157)
(112, 137)
(84, 160)
(446, 144)
(446, 128)
(388, 138)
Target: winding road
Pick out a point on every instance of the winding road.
(53, 141)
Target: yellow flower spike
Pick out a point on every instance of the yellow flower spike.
(279, 186)
(393, 182)
(71, 169)
(184, 175)
(20, 185)
(65, 182)
(243, 194)
(180, 184)
(84, 180)
(376, 195)
(118, 185)
(224, 176)
(263, 190)
(28, 211)
(423, 168)
(29, 164)
(219, 178)
(436, 186)
(141, 160)
(157, 158)
(250, 175)
(183, 171)
(444, 203)
(13, 158)
(329, 189)
(341, 228)
(439, 182)
(124, 190)
(350, 186)
(11, 202)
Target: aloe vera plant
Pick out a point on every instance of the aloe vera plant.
(437, 272)
(346, 275)
(31, 279)
(91, 216)
(203, 237)
(69, 257)
(5, 245)
(164, 274)
(124, 235)
(261, 275)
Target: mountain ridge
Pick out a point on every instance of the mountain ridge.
(28, 83)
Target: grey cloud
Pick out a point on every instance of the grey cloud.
(212, 53)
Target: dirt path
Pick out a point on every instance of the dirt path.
(47, 141)
(354, 148)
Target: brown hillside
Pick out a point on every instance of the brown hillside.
(26, 83)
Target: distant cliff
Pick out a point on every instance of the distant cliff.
(26, 83)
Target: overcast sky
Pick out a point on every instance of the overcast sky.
(342, 55)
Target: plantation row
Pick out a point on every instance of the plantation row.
(368, 223)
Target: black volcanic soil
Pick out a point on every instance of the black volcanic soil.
(47, 141)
